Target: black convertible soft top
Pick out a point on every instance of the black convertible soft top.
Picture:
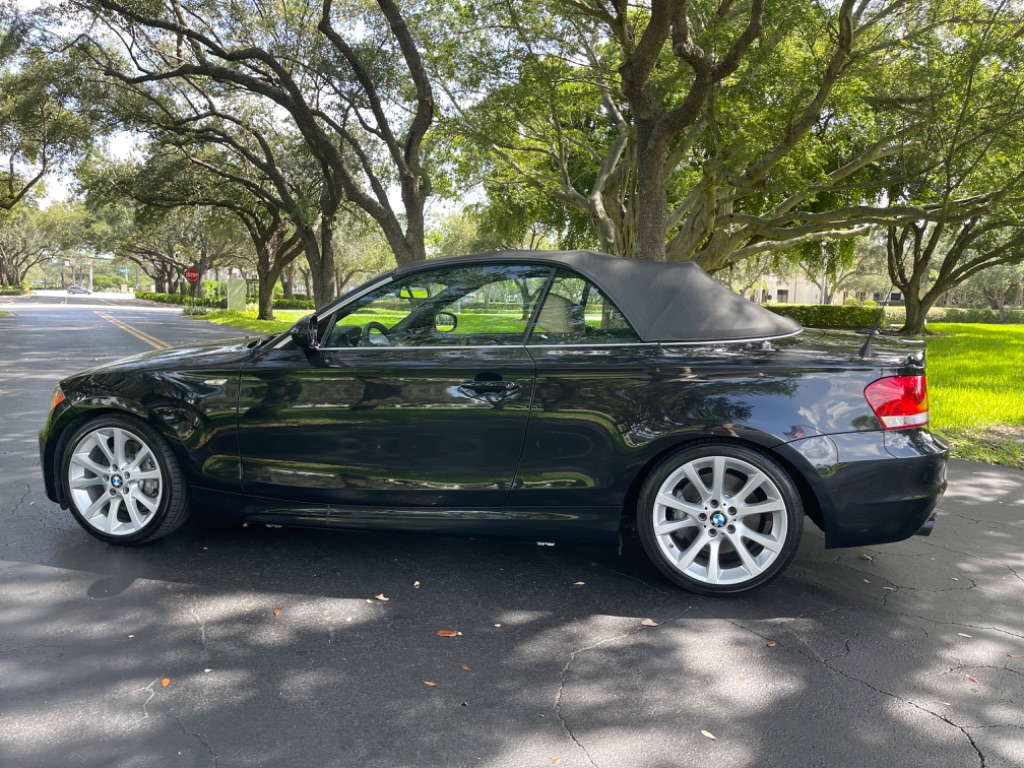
(663, 301)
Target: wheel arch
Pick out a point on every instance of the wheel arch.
(88, 410)
(767, 446)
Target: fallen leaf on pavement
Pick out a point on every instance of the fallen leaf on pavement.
(709, 734)
(972, 678)
(277, 611)
(448, 633)
(1013, 655)
(964, 634)
(869, 558)
(464, 666)
(430, 684)
(649, 623)
(165, 682)
(772, 643)
(382, 598)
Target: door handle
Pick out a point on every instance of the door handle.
(492, 391)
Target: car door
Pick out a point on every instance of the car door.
(593, 376)
(420, 397)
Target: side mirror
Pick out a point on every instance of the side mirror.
(445, 322)
(306, 333)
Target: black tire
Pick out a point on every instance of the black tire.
(693, 525)
(122, 481)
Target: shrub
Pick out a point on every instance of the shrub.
(177, 298)
(293, 304)
(967, 315)
(828, 315)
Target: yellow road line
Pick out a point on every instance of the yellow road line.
(153, 341)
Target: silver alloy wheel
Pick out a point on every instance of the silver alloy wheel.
(720, 520)
(114, 481)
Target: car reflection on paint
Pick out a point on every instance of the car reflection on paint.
(575, 397)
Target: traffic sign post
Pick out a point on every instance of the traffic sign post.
(192, 275)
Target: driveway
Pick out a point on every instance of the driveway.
(251, 646)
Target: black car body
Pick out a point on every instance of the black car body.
(550, 396)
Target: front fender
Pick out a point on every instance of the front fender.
(197, 412)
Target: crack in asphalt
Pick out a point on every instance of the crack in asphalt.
(568, 665)
(959, 624)
(145, 704)
(909, 702)
(17, 505)
(198, 737)
(192, 606)
(826, 662)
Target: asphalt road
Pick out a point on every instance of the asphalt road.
(245, 646)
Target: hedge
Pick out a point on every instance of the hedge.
(217, 303)
(969, 315)
(293, 304)
(177, 298)
(829, 315)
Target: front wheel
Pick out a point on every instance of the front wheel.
(122, 481)
(720, 519)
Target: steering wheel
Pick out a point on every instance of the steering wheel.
(373, 325)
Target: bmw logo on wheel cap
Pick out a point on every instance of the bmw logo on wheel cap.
(718, 519)
(116, 481)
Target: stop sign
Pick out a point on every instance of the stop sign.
(192, 274)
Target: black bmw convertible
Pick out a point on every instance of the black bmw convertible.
(566, 396)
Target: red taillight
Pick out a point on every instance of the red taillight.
(899, 402)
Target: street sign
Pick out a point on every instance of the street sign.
(192, 274)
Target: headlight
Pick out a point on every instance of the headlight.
(57, 397)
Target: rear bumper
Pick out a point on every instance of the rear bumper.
(875, 487)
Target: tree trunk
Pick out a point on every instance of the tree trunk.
(652, 197)
(917, 312)
(265, 299)
(288, 281)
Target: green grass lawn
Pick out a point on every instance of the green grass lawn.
(285, 319)
(976, 390)
(975, 382)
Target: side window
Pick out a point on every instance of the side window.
(458, 306)
(575, 311)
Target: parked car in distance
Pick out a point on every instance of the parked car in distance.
(73, 289)
(582, 396)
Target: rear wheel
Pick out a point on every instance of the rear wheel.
(720, 519)
(122, 481)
